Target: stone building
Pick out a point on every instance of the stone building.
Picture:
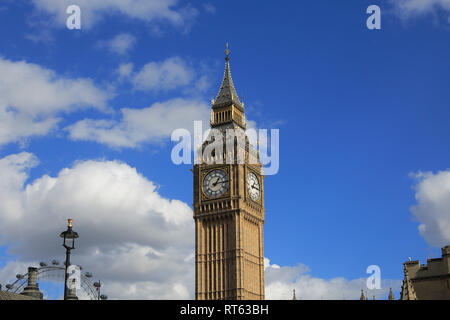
(6, 295)
(430, 281)
(229, 207)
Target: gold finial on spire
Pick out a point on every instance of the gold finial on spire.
(227, 53)
(70, 223)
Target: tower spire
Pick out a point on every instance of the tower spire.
(227, 94)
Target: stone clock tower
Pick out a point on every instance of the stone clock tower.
(229, 208)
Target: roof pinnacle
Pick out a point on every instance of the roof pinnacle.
(391, 294)
(408, 292)
(227, 94)
(227, 53)
(362, 295)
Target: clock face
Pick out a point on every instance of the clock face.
(253, 188)
(215, 183)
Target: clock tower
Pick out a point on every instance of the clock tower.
(229, 206)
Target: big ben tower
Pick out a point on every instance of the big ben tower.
(229, 207)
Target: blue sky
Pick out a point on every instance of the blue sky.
(360, 112)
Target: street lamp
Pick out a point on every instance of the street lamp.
(69, 237)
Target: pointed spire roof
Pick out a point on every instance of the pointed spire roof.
(227, 94)
(408, 292)
(362, 295)
(294, 298)
(391, 295)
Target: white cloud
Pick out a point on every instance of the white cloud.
(31, 97)
(140, 244)
(9, 271)
(34, 90)
(281, 281)
(40, 36)
(16, 126)
(137, 242)
(120, 44)
(410, 8)
(125, 70)
(202, 84)
(138, 126)
(145, 10)
(171, 73)
(433, 206)
(209, 8)
(165, 75)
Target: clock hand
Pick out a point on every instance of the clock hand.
(253, 187)
(214, 184)
(222, 181)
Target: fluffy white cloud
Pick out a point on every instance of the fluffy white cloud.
(408, 8)
(281, 281)
(120, 44)
(31, 97)
(11, 268)
(125, 70)
(144, 10)
(171, 73)
(15, 126)
(139, 243)
(165, 75)
(139, 126)
(34, 90)
(433, 206)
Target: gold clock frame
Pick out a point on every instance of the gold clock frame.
(204, 173)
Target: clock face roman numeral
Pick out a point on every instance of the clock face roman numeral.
(215, 183)
(253, 187)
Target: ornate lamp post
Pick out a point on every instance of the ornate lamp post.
(69, 237)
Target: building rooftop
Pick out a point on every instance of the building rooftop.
(6, 295)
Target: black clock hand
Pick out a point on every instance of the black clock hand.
(222, 181)
(214, 184)
(253, 187)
